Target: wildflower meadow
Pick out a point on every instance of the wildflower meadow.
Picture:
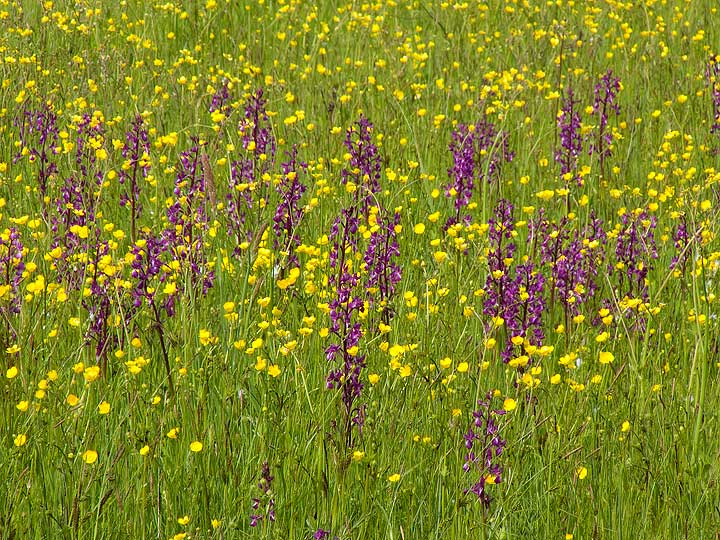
(358, 270)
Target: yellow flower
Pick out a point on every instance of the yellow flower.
(173, 433)
(509, 404)
(625, 426)
(91, 373)
(581, 472)
(358, 455)
(104, 407)
(290, 279)
(419, 228)
(463, 367)
(405, 371)
(520, 361)
(545, 195)
(23, 405)
(184, 520)
(145, 450)
(73, 400)
(12, 372)
(196, 446)
(373, 378)
(20, 440)
(205, 337)
(606, 357)
(394, 478)
(274, 370)
(90, 456)
(439, 256)
(170, 288)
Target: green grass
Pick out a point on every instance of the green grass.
(416, 70)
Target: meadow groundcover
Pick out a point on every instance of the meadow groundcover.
(356, 270)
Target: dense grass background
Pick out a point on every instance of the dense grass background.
(627, 449)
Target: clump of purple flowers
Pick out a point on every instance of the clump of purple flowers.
(682, 242)
(248, 188)
(574, 258)
(345, 308)
(263, 506)
(569, 276)
(515, 297)
(38, 132)
(462, 172)
(500, 292)
(89, 141)
(383, 273)
(257, 136)
(478, 152)
(73, 221)
(99, 303)
(604, 103)
(530, 284)
(136, 153)
(484, 446)
(568, 154)
(289, 212)
(221, 100)
(635, 250)
(365, 165)
(188, 220)
(712, 78)
(149, 272)
(349, 296)
(12, 267)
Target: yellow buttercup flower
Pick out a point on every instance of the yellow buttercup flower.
(90, 456)
(196, 446)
